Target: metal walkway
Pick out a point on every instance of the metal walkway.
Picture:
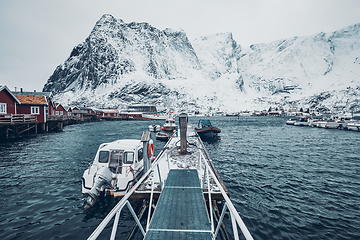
(181, 212)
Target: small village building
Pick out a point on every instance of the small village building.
(33, 105)
(8, 101)
(99, 113)
(110, 112)
(49, 109)
(88, 111)
(69, 111)
(60, 110)
(76, 112)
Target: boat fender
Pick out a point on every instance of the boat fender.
(150, 148)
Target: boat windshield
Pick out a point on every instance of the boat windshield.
(116, 161)
(128, 158)
(205, 123)
(103, 156)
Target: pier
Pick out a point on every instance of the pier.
(184, 195)
(180, 212)
(15, 126)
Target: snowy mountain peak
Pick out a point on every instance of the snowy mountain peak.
(125, 63)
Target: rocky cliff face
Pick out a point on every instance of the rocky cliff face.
(126, 63)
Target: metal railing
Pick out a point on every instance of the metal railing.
(235, 217)
(208, 172)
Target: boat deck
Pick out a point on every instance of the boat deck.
(181, 210)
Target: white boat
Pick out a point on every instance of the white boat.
(155, 116)
(169, 125)
(162, 136)
(291, 121)
(321, 123)
(154, 128)
(337, 123)
(313, 122)
(303, 121)
(354, 124)
(331, 124)
(116, 167)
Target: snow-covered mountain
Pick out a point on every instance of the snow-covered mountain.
(126, 63)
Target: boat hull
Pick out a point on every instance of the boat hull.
(154, 117)
(209, 132)
(162, 136)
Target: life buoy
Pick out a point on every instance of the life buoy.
(150, 149)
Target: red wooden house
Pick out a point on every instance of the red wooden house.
(76, 112)
(8, 101)
(34, 105)
(69, 111)
(49, 108)
(60, 110)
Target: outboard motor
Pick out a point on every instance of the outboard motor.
(102, 178)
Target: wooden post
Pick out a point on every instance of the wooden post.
(145, 140)
(183, 129)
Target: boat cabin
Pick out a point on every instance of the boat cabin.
(119, 155)
(204, 123)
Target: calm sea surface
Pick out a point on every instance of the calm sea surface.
(286, 182)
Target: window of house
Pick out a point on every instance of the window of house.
(35, 110)
(3, 108)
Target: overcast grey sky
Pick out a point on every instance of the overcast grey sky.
(38, 35)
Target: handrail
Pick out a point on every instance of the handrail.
(119, 206)
(18, 118)
(229, 204)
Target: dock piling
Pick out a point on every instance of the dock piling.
(183, 128)
(145, 140)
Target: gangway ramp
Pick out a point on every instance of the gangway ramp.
(181, 211)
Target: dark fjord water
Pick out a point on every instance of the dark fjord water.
(286, 182)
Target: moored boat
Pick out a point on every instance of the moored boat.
(162, 136)
(205, 129)
(116, 167)
(154, 128)
(303, 121)
(354, 124)
(169, 125)
(155, 116)
(291, 121)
